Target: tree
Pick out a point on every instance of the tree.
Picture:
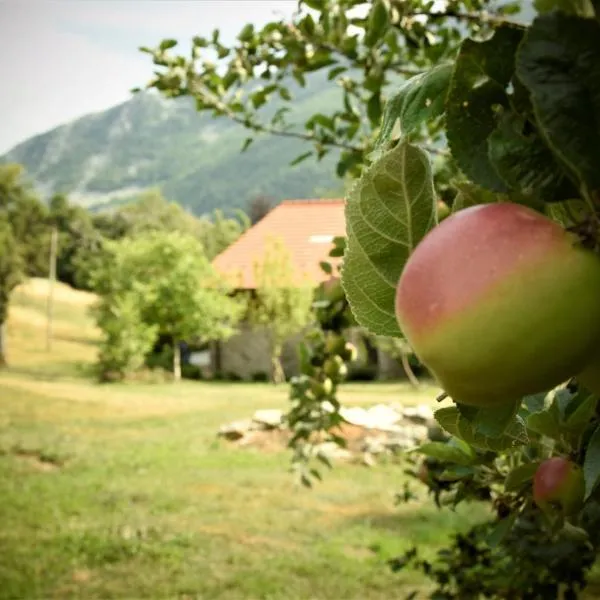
(362, 47)
(518, 106)
(11, 272)
(28, 218)
(80, 243)
(282, 303)
(258, 208)
(220, 231)
(174, 289)
(23, 237)
(517, 116)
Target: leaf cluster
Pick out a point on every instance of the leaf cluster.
(362, 48)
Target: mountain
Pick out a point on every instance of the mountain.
(194, 158)
(109, 157)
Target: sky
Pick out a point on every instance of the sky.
(62, 59)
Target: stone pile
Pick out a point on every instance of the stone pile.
(383, 429)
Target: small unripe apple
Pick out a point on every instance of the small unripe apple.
(349, 353)
(499, 302)
(335, 367)
(321, 388)
(443, 210)
(559, 484)
(335, 343)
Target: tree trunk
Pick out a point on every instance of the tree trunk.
(277, 374)
(2, 354)
(407, 369)
(176, 360)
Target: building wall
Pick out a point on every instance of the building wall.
(247, 354)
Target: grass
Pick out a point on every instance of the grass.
(124, 491)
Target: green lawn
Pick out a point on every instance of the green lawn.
(124, 491)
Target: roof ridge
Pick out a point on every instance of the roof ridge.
(312, 201)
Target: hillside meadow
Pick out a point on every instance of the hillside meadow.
(124, 491)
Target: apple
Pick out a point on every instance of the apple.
(558, 483)
(499, 301)
(590, 376)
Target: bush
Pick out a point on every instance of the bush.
(127, 339)
(260, 376)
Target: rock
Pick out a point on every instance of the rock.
(399, 442)
(418, 414)
(368, 460)
(236, 429)
(419, 433)
(374, 445)
(332, 451)
(270, 418)
(379, 416)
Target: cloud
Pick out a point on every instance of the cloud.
(61, 60)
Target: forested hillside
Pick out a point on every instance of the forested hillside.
(195, 159)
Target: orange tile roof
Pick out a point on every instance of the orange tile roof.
(306, 227)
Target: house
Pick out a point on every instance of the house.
(307, 229)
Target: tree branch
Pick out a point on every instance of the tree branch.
(262, 128)
(482, 17)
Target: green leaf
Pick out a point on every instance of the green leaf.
(567, 213)
(284, 93)
(315, 4)
(572, 7)
(247, 143)
(377, 23)
(469, 413)
(501, 529)
(246, 33)
(559, 62)
(374, 108)
(448, 418)
(591, 464)
(167, 44)
(537, 402)
(545, 423)
(300, 158)
(581, 413)
(335, 72)
(481, 75)
(420, 98)
(493, 421)
(525, 163)
(520, 475)
(516, 434)
(445, 453)
(388, 212)
(456, 473)
(326, 267)
(470, 194)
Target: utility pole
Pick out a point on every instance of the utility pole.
(51, 280)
